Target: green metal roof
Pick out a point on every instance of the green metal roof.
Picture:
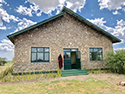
(64, 11)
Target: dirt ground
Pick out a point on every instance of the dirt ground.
(111, 78)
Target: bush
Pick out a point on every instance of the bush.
(116, 61)
(2, 61)
(6, 72)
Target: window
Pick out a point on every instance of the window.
(67, 52)
(95, 54)
(40, 54)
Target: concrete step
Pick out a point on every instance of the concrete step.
(73, 72)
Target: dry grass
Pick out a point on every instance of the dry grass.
(5, 66)
(87, 86)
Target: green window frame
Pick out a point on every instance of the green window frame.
(95, 54)
(40, 54)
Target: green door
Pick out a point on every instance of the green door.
(78, 58)
(67, 60)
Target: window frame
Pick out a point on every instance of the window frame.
(40, 52)
(97, 54)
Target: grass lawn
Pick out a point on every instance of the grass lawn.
(86, 86)
(8, 64)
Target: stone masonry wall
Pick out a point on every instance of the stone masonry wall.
(63, 32)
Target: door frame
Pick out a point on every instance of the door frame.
(70, 50)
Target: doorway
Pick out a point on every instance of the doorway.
(71, 59)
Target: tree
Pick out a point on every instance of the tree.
(116, 61)
(2, 61)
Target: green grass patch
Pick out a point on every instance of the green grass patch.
(87, 86)
(8, 64)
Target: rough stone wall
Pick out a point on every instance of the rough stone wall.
(63, 32)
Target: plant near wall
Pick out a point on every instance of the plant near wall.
(6, 72)
(24, 76)
(116, 61)
(15, 78)
(59, 72)
(28, 76)
(18, 77)
(41, 75)
(92, 70)
(49, 74)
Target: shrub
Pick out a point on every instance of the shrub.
(116, 61)
(6, 72)
(2, 61)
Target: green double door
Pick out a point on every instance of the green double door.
(72, 59)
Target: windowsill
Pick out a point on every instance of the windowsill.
(40, 62)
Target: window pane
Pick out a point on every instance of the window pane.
(90, 56)
(64, 55)
(66, 49)
(46, 49)
(95, 53)
(47, 57)
(99, 57)
(68, 55)
(40, 54)
(33, 49)
(40, 49)
(40, 57)
(91, 50)
(99, 51)
(33, 57)
(95, 49)
(74, 49)
(94, 56)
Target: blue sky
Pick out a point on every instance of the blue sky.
(19, 14)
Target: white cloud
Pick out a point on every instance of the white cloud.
(2, 1)
(69, 4)
(24, 10)
(111, 4)
(49, 6)
(33, 9)
(4, 16)
(3, 27)
(7, 54)
(76, 4)
(115, 12)
(23, 24)
(118, 30)
(98, 21)
(119, 49)
(101, 23)
(6, 45)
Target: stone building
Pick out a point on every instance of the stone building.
(81, 43)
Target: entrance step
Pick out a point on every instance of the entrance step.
(73, 72)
